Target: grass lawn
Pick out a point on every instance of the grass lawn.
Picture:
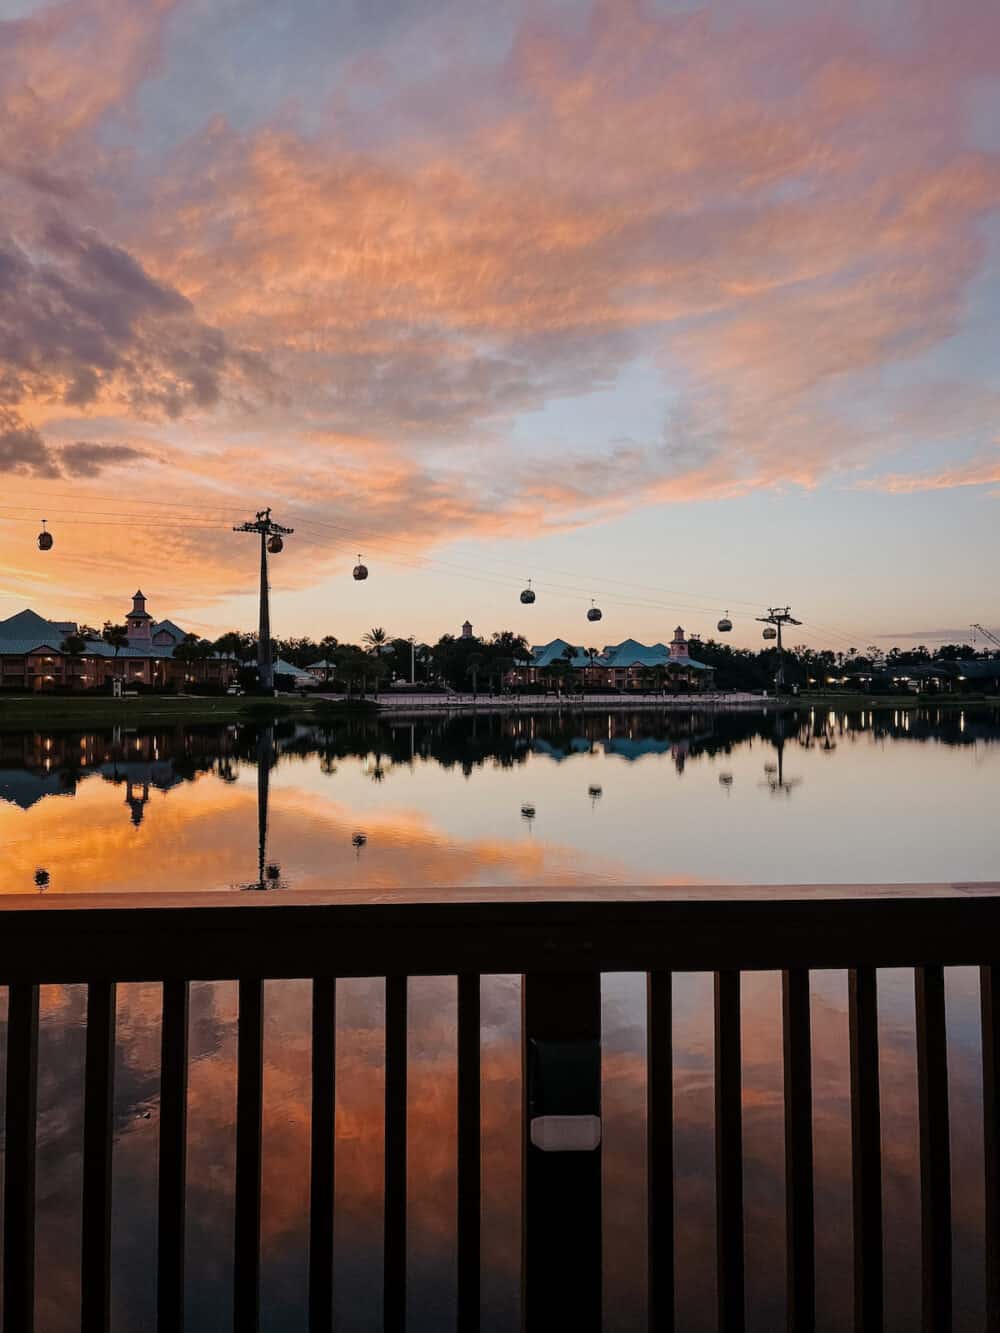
(37, 710)
(25, 711)
(908, 700)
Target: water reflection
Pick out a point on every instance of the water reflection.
(499, 799)
(268, 872)
(432, 1178)
(616, 796)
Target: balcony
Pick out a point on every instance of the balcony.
(560, 942)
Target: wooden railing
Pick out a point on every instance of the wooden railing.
(561, 941)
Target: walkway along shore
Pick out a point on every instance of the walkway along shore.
(395, 703)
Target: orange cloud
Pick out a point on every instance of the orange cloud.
(87, 839)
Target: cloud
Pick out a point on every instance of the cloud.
(777, 245)
(90, 460)
(24, 451)
(979, 472)
(63, 69)
(82, 321)
(780, 210)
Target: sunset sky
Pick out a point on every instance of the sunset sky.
(682, 307)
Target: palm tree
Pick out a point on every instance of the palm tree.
(592, 655)
(192, 649)
(232, 645)
(116, 637)
(352, 664)
(475, 661)
(376, 639)
(511, 644)
(565, 662)
(328, 645)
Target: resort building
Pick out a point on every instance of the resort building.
(34, 655)
(323, 671)
(302, 679)
(628, 665)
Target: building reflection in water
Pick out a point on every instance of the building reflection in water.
(206, 778)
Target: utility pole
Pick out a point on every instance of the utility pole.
(270, 540)
(778, 616)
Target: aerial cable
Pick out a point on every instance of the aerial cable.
(187, 516)
(381, 537)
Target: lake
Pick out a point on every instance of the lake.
(516, 799)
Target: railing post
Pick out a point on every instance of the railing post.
(95, 1249)
(173, 1157)
(935, 1157)
(729, 1153)
(866, 1149)
(469, 1115)
(561, 1225)
(394, 1223)
(660, 1149)
(989, 983)
(249, 1115)
(19, 1159)
(800, 1253)
(321, 1186)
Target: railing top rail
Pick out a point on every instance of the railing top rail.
(349, 932)
(140, 901)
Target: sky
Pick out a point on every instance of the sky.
(684, 308)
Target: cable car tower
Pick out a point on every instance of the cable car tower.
(270, 540)
(987, 634)
(776, 617)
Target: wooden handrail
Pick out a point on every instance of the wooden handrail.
(349, 933)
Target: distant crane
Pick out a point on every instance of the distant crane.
(988, 635)
(270, 540)
(776, 617)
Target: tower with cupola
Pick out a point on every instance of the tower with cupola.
(139, 623)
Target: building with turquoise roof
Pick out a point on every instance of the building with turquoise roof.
(629, 665)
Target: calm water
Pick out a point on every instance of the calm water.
(622, 799)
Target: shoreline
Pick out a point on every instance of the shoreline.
(439, 705)
(26, 712)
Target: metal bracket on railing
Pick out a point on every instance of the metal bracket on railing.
(564, 1095)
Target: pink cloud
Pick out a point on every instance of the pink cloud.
(980, 472)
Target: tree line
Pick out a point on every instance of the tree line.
(475, 662)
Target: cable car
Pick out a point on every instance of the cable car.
(770, 633)
(527, 811)
(360, 571)
(275, 544)
(594, 613)
(44, 538)
(358, 840)
(595, 792)
(725, 624)
(528, 596)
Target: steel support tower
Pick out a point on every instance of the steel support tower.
(267, 529)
